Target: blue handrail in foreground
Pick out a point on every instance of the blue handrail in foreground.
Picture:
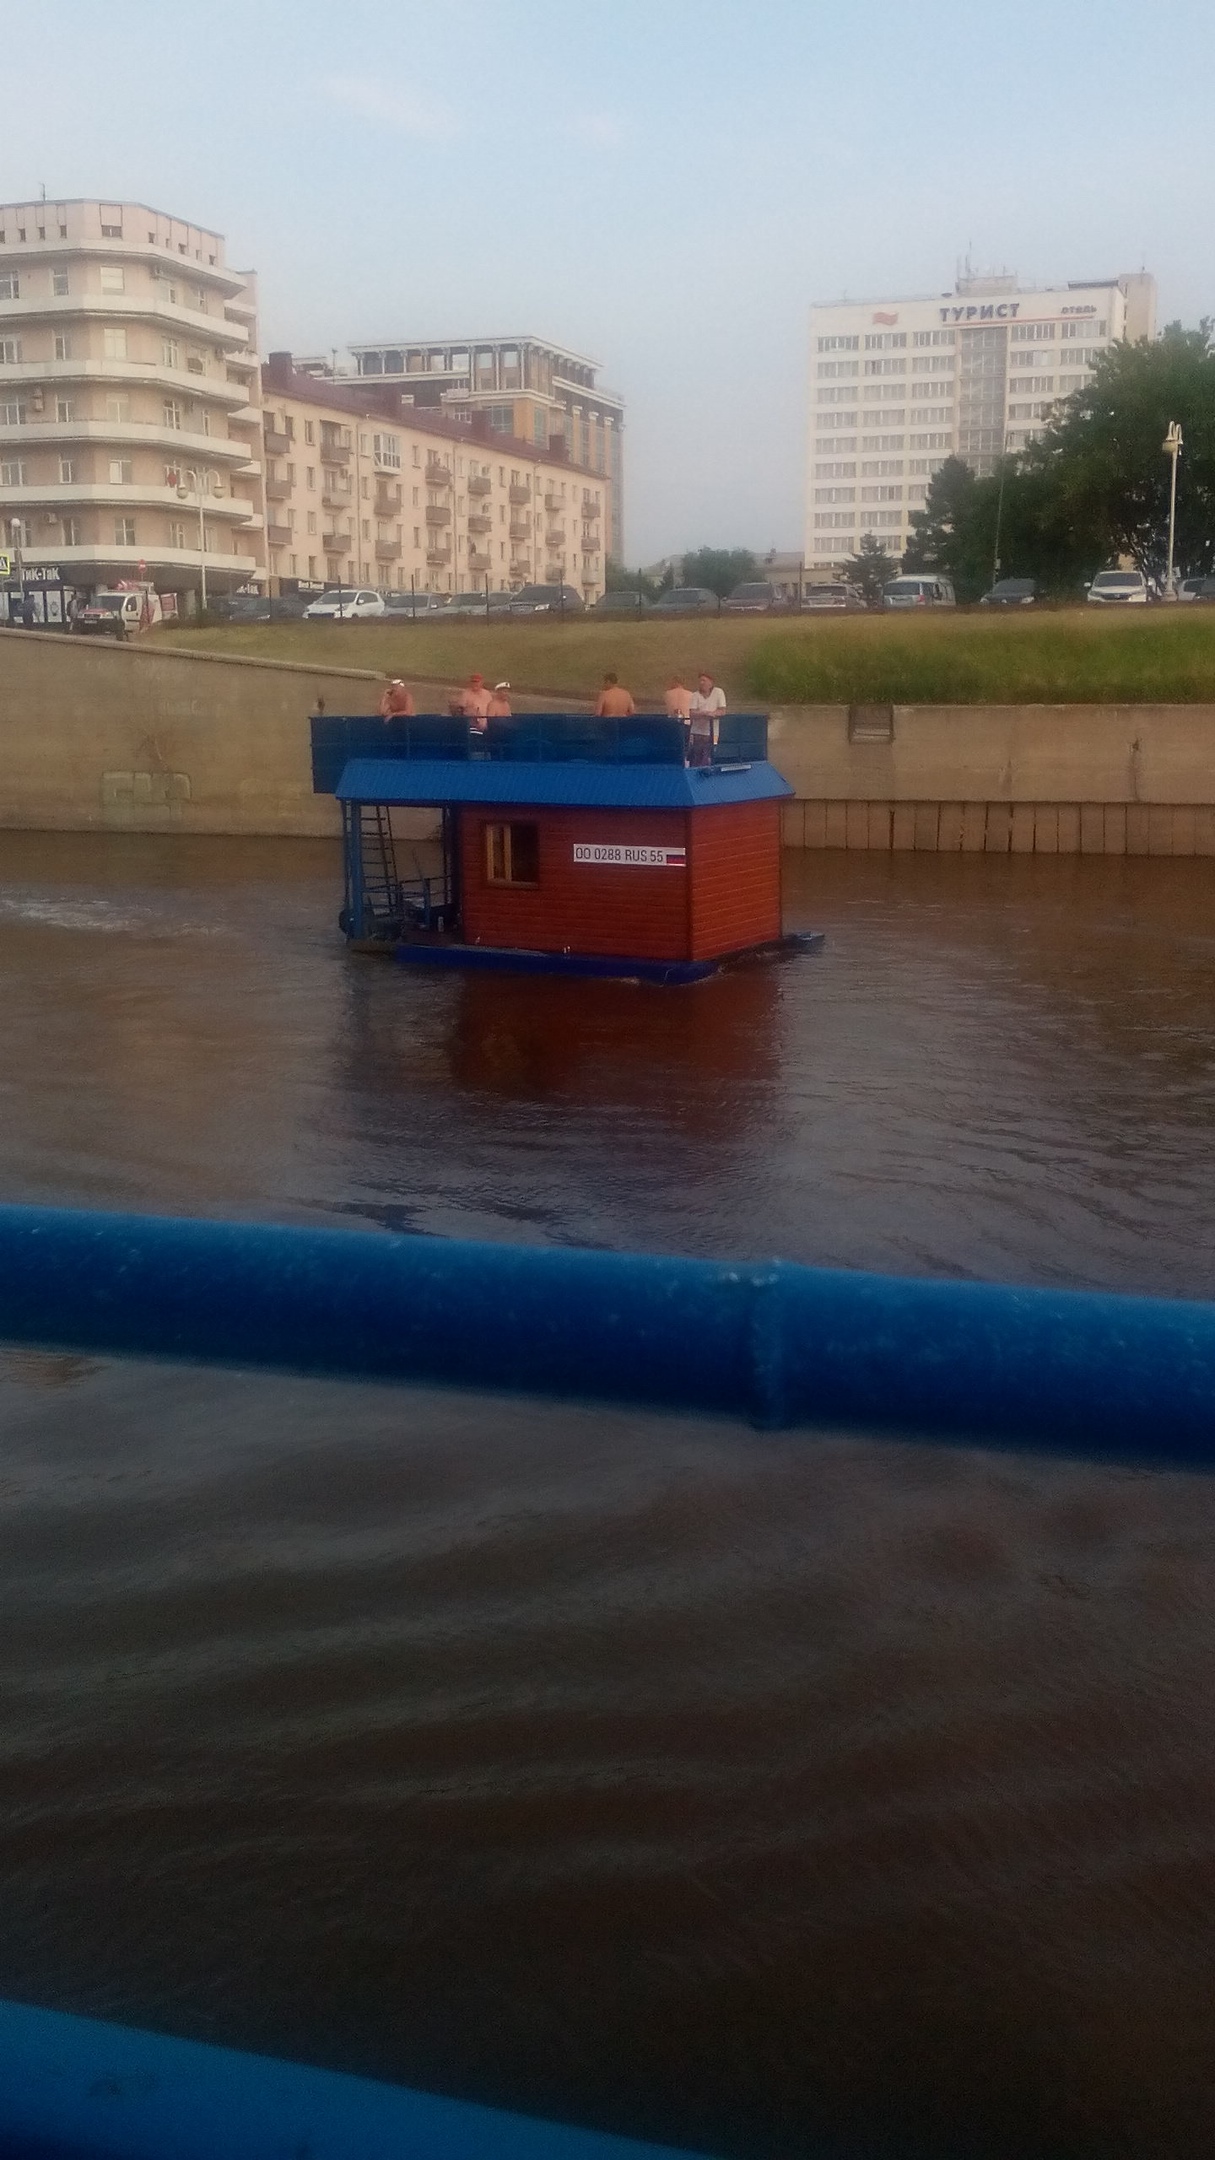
(73, 2089)
(1102, 1376)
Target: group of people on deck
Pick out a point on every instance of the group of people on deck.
(697, 709)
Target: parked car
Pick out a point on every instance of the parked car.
(921, 591)
(119, 614)
(547, 600)
(830, 599)
(467, 603)
(346, 603)
(1011, 592)
(1118, 588)
(752, 599)
(1196, 588)
(415, 605)
(622, 603)
(687, 600)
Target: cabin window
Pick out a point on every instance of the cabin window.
(512, 854)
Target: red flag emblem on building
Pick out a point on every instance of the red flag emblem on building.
(886, 318)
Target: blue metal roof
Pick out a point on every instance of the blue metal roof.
(427, 781)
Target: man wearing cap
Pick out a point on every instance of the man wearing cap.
(498, 707)
(396, 700)
(474, 701)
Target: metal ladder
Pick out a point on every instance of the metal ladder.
(381, 890)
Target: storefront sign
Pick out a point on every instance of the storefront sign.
(630, 858)
(989, 311)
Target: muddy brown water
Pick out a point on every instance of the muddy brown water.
(772, 1796)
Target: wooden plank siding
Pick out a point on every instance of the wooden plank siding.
(604, 909)
(734, 890)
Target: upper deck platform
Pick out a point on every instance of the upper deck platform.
(644, 739)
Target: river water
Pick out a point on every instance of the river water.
(772, 1796)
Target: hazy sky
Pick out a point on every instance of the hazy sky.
(663, 184)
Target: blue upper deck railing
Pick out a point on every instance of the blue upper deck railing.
(532, 738)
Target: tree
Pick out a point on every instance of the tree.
(618, 579)
(719, 569)
(870, 569)
(1014, 513)
(1101, 454)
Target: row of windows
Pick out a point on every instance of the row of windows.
(15, 412)
(113, 347)
(838, 344)
(846, 520)
(893, 493)
(1030, 412)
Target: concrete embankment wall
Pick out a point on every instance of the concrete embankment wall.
(95, 736)
(1000, 779)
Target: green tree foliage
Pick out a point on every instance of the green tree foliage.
(1096, 484)
(870, 569)
(719, 569)
(618, 579)
(1102, 457)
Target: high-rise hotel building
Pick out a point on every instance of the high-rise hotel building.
(897, 386)
(130, 399)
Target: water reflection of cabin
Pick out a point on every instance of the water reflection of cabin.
(568, 843)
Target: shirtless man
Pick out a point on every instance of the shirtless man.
(498, 707)
(614, 702)
(396, 700)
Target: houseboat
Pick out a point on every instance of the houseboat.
(568, 845)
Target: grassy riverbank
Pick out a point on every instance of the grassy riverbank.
(1153, 656)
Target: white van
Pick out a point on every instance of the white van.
(925, 589)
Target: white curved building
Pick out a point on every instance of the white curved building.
(130, 400)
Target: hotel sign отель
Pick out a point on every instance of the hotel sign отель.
(630, 858)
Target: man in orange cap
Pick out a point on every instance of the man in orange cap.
(474, 701)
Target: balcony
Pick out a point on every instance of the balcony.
(554, 573)
(387, 550)
(480, 484)
(335, 499)
(520, 529)
(337, 542)
(387, 502)
(555, 536)
(279, 535)
(519, 493)
(438, 557)
(438, 476)
(277, 445)
(480, 521)
(278, 490)
(334, 453)
(553, 502)
(480, 561)
(438, 514)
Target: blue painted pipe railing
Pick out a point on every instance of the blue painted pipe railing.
(73, 2089)
(1103, 1376)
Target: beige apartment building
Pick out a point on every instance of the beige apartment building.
(130, 401)
(364, 488)
(527, 387)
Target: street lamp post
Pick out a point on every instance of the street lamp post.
(995, 563)
(204, 481)
(1172, 450)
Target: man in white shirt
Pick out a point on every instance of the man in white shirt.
(707, 700)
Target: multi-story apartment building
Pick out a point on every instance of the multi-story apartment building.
(528, 388)
(897, 386)
(364, 488)
(130, 422)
